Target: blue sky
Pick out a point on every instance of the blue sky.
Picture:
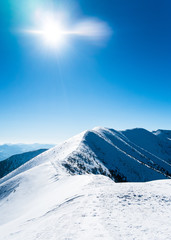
(47, 96)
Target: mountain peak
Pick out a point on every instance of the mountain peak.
(130, 155)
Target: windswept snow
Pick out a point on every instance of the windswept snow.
(44, 207)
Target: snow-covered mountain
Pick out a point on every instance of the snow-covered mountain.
(7, 150)
(165, 134)
(61, 193)
(131, 155)
(10, 164)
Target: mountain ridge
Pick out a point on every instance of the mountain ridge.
(109, 152)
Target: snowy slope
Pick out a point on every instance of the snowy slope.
(165, 134)
(123, 156)
(156, 142)
(10, 164)
(7, 150)
(41, 206)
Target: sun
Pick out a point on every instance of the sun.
(55, 29)
(53, 33)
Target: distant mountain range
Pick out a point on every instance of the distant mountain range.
(10, 164)
(7, 150)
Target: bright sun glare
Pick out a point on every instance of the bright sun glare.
(54, 31)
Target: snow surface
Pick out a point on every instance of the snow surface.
(43, 206)
(56, 196)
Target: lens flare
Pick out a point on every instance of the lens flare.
(55, 31)
(92, 28)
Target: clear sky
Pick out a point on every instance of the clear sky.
(124, 82)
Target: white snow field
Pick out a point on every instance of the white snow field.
(84, 207)
(61, 194)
